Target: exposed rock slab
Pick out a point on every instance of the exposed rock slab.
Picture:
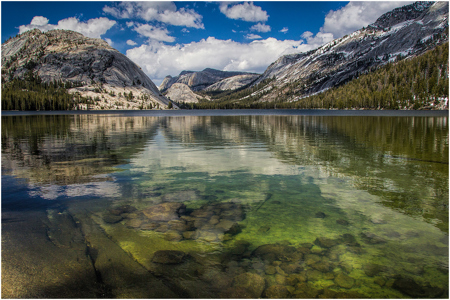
(180, 92)
(232, 83)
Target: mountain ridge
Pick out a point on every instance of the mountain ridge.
(345, 58)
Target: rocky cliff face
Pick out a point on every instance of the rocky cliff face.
(404, 32)
(198, 80)
(232, 83)
(180, 92)
(98, 69)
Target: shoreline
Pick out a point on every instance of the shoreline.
(231, 112)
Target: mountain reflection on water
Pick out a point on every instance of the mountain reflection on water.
(313, 206)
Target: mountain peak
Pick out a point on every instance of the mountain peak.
(402, 14)
(68, 56)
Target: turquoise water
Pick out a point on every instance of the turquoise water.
(264, 204)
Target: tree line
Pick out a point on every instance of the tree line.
(33, 94)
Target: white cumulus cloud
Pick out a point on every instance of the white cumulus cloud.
(93, 28)
(154, 33)
(109, 41)
(165, 12)
(39, 21)
(356, 15)
(260, 27)
(252, 36)
(131, 43)
(245, 11)
(159, 60)
(318, 40)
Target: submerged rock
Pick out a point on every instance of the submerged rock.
(346, 266)
(410, 287)
(293, 279)
(311, 259)
(349, 239)
(306, 290)
(372, 238)
(253, 284)
(125, 209)
(165, 212)
(373, 269)
(111, 219)
(314, 275)
(133, 223)
(168, 257)
(320, 215)
(330, 294)
(149, 226)
(172, 235)
(270, 270)
(323, 266)
(277, 252)
(189, 235)
(276, 292)
(344, 281)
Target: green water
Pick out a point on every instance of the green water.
(284, 206)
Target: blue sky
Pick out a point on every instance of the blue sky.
(165, 38)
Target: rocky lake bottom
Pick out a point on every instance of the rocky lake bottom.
(224, 207)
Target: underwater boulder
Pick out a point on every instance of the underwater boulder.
(350, 240)
(178, 225)
(133, 223)
(125, 209)
(173, 235)
(330, 294)
(323, 266)
(320, 215)
(269, 252)
(344, 281)
(111, 218)
(306, 290)
(277, 252)
(253, 284)
(314, 275)
(165, 212)
(372, 270)
(410, 287)
(149, 226)
(311, 259)
(276, 292)
(372, 238)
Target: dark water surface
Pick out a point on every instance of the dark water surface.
(225, 204)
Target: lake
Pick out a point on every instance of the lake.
(225, 204)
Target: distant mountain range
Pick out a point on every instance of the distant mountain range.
(404, 32)
(106, 79)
